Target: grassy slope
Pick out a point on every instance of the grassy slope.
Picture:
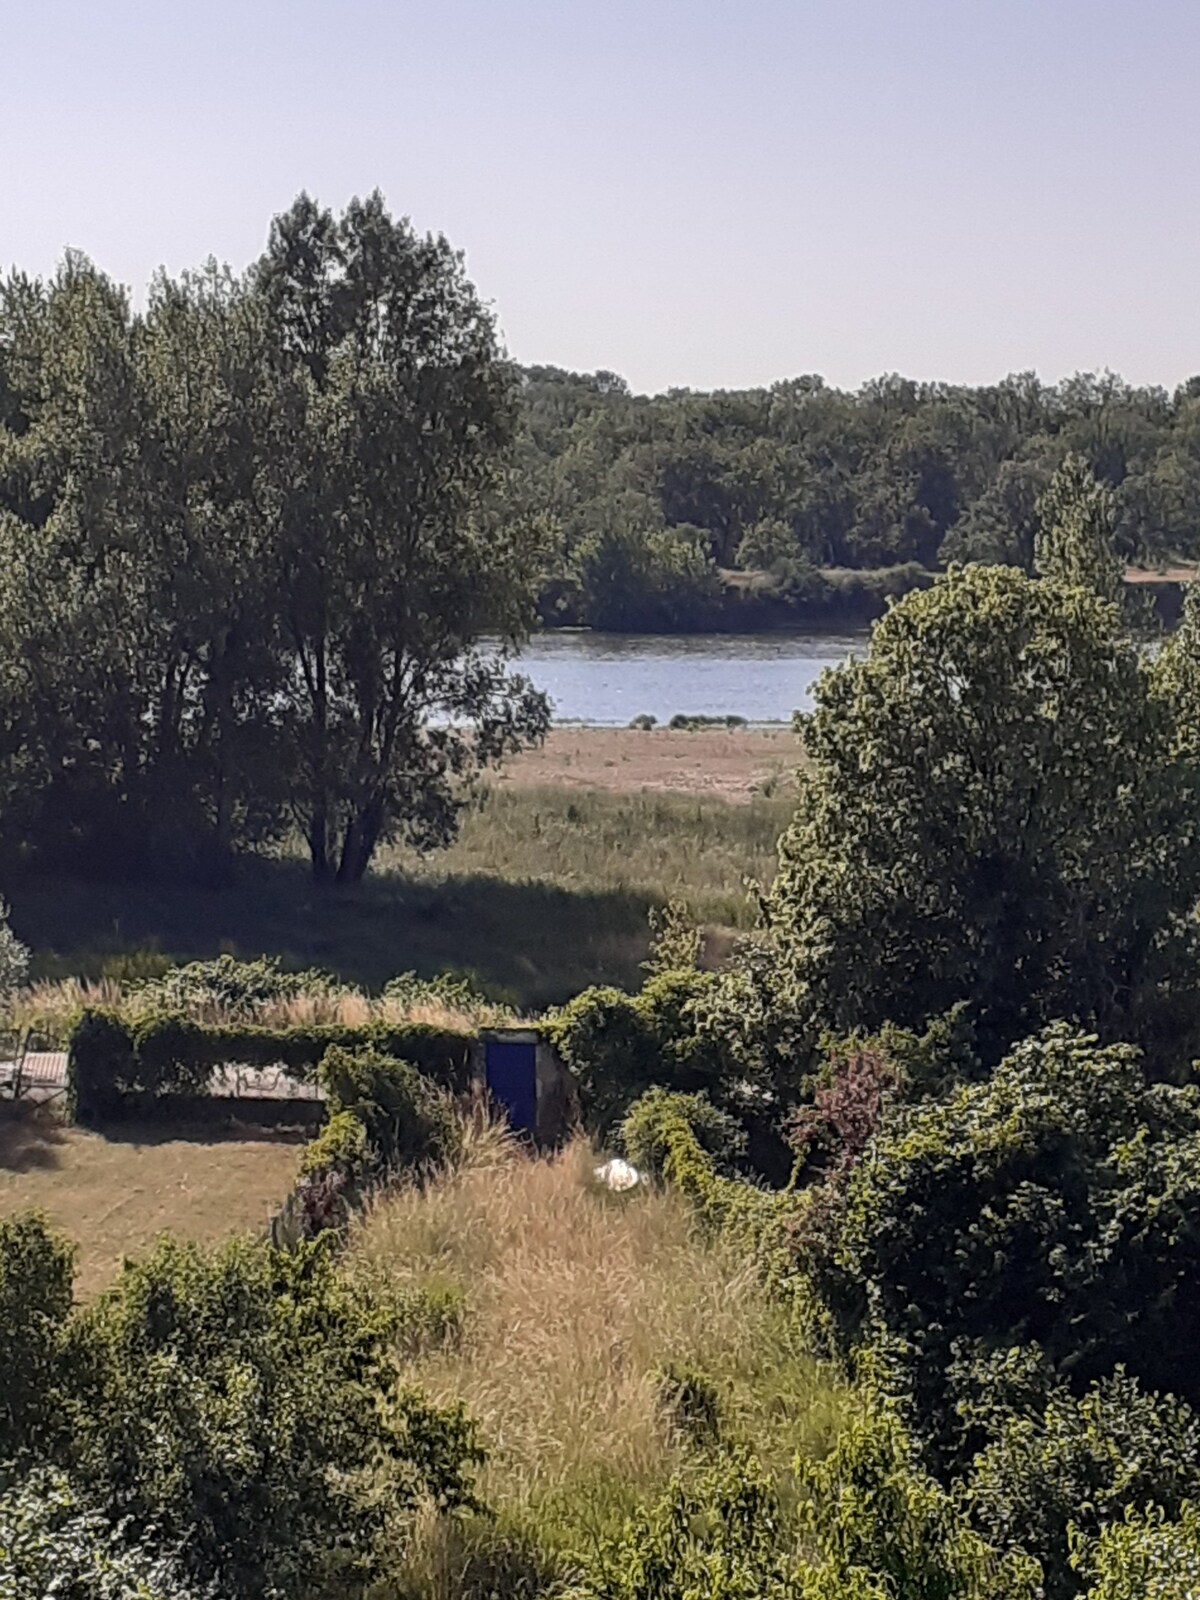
(113, 1194)
(576, 1298)
(546, 891)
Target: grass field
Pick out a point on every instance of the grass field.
(547, 889)
(113, 1194)
(576, 1300)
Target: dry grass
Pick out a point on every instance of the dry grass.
(113, 1196)
(51, 1005)
(577, 1298)
(716, 763)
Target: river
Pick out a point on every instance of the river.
(608, 679)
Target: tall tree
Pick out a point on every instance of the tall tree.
(995, 812)
(1077, 520)
(394, 415)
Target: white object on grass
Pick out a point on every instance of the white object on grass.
(618, 1174)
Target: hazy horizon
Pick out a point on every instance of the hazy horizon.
(688, 195)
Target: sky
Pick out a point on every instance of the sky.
(711, 194)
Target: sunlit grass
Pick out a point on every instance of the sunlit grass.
(576, 1300)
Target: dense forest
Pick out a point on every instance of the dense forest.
(791, 503)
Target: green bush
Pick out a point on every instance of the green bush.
(618, 1045)
(643, 1130)
(170, 1054)
(245, 1405)
(341, 1147)
(408, 1122)
(231, 985)
(1083, 1463)
(1055, 1206)
(52, 1543)
(1144, 1557)
(36, 1273)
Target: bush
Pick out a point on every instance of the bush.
(1145, 1557)
(643, 1131)
(1056, 1206)
(244, 1404)
(53, 1543)
(36, 1272)
(1083, 1463)
(14, 956)
(408, 1123)
(230, 985)
(169, 1053)
(618, 1045)
(341, 1146)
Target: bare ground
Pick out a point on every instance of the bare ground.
(727, 764)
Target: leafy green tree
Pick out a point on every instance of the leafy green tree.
(395, 411)
(993, 812)
(1077, 522)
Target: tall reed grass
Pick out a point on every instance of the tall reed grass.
(576, 1302)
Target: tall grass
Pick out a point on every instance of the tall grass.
(698, 848)
(545, 892)
(576, 1301)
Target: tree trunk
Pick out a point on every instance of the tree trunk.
(359, 841)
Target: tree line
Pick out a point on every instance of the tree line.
(653, 501)
(250, 544)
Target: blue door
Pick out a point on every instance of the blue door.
(512, 1081)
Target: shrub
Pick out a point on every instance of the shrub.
(618, 1045)
(244, 1404)
(14, 956)
(341, 1146)
(691, 1402)
(1055, 1206)
(644, 1131)
(1144, 1557)
(409, 1124)
(229, 985)
(53, 1543)
(1083, 1463)
(36, 1273)
(169, 1053)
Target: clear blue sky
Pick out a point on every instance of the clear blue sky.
(710, 194)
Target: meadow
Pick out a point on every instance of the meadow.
(546, 890)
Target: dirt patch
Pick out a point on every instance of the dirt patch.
(729, 764)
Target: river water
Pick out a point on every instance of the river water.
(608, 679)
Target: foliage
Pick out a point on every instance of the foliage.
(846, 1110)
(242, 1403)
(1056, 1205)
(993, 813)
(871, 1510)
(237, 987)
(618, 1045)
(341, 1146)
(109, 1058)
(1143, 1557)
(409, 1123)
(263, 512)
(1077, 521)
(877, 1525)
(36, 1271)
(1081, 1464)
(720, 1136)
(51, 1543)
(14, 957)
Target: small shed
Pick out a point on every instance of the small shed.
(526, 1079)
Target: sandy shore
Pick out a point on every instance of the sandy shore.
(729, 764)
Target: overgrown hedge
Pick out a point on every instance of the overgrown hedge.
(169, 1054)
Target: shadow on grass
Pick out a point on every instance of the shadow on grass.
(531, 943)
(29, 1138)
(138, 1131)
